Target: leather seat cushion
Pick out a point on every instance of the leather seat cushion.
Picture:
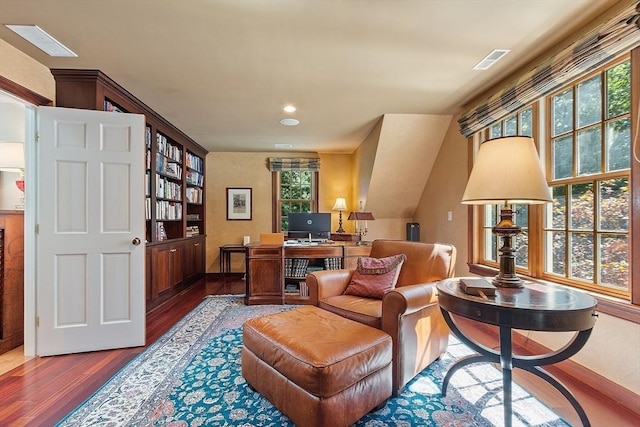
(361, 309)
(321, 352)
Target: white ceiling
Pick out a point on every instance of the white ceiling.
(221, 71)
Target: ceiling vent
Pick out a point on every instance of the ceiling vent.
(491, 59)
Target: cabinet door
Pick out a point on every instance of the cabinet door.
(265, 278)
(161, 269)
(194, 258)
(177, 264)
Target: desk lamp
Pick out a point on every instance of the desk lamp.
(340, 206)
(507, 170)
(359, 216)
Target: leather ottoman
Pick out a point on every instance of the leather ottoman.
(316, 367)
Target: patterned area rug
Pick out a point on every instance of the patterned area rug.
(191, 376)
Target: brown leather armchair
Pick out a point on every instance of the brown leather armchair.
(409, 313)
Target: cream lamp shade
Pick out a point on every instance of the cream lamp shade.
(340, 205)
(507, 170)
(12, 157)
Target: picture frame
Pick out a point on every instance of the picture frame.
(239, 204)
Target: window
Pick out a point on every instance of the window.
(296, 192)
(586, 230)
(582, 238)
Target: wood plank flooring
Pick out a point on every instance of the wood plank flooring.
(42, 390)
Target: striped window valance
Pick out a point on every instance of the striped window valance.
(617, 35)
(278, 164)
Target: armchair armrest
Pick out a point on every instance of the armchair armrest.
(406, 300)
(327, 283)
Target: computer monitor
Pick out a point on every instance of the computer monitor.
(301, 225)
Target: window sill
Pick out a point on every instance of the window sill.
(608, 305)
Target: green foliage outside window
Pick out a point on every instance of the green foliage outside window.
(296, 194)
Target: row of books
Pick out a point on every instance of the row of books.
(166, 167)
(192, 230)
(167, 149)
(147, 137)
(193, 217)
(168, 189)
(166, 209)
(195, 178)
(161, 233)
(193, 195)
(297, 289)
(194, 162)
(111, 107)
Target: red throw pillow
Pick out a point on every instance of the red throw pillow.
(374, 277)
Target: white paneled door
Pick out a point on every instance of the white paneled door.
(90, 231)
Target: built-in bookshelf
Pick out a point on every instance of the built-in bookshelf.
(175, 190)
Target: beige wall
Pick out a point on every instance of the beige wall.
(442, 195)
(22, 69)
(250, 170)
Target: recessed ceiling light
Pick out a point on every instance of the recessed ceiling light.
(284, 146)
(289, 122)
(491, 59)
(39, 38)
(289, 108)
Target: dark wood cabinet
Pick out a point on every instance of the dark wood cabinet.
(264, 274)
(11, 280)
(175, 185)
(194, 261)
(272, 276)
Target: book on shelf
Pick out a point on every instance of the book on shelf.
(161, 233)
(193, 230)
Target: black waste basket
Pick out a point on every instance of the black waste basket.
(413, 231)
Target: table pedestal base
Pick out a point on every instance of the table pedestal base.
(508, 361)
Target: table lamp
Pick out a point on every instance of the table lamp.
(12, 160)
(507, 170)
(340, 206)
(358, 217)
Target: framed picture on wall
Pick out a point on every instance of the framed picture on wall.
(239, 203)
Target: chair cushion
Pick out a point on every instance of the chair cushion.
(374, 277)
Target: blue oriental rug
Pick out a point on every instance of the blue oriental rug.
(191, 376)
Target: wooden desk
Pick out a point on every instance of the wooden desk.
(266, 271)
(225, 255)
(535, 307)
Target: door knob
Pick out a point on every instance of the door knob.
(135, 241)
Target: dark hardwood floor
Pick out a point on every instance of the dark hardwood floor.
(44, 389)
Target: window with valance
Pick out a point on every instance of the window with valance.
(618, 34)
(294, 188)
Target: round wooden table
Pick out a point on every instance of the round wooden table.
(535, 307)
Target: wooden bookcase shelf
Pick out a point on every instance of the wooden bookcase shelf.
(175, 185)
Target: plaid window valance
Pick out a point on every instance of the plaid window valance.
(278, 164)
(619, 34)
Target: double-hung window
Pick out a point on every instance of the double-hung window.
(295, 188)
(586, 229)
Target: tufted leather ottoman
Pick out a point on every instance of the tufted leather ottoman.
(317, 367)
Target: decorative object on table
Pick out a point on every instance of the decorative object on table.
(340, 206)
(361, 218)
(239, 204)
(481, 287)
(12, 160)
(507, 171)
(164, 384)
